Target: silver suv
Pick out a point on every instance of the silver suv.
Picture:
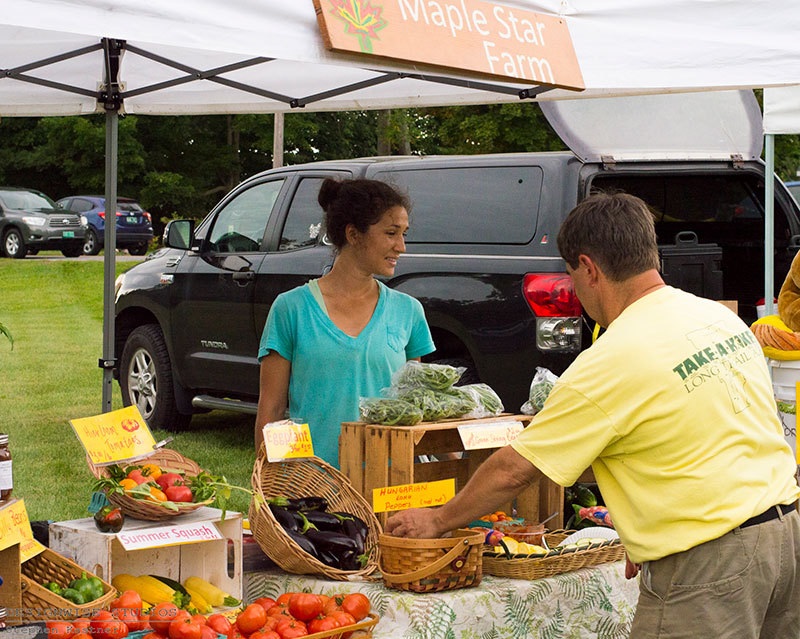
(30, 221)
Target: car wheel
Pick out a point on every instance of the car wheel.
(91, 244)
(138, 249)
(32, 251)
(469, 376)
(145, 379)
(14, 244)
(74, 250)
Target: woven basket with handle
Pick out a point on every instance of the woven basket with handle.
(168, 460)
(432, 565)
(557, 561)
(305, 478)
(40, 603)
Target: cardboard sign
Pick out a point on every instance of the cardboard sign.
(472, 35)
(489, 434)
(118, 436)
(433, 493)
(287, 440)
(173, 535)
(16, 528)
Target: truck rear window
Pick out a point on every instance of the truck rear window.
(476, 205)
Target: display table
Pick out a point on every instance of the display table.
(591, 602)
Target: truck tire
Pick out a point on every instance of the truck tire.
(469, 376)
(91, 244)
(14, 244)
(145, 379)
(138, 249)
(74, 250)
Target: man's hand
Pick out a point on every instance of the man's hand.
(422, 523)
(631, 569)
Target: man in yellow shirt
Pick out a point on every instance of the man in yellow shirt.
(673, 408)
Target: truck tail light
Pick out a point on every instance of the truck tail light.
(102, 214)
(557, 309)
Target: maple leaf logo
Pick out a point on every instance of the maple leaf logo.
(361, 19)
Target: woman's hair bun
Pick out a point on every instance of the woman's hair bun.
(328, 192)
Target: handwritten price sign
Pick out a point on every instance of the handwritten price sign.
(16, 528)
(287, 440)
(489, 434)
(120, 435)
(433, 493)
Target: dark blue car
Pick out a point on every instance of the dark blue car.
(134, 224)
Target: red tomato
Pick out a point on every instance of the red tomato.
(208, 632)
(251, 619)
(273, 621)
(186, 630)
(168, 479)
(137, 476)
(279, 610)
(113, 630)
(60, 629)
(81, 624)
(82, 635)
(265, 634)
(321, 625)
(291, 628)
(161, 615)
(265, 602)
(179, 493)
(333, 604)
(99, 622)
(128, 599)
(344, 619)
(130, 618)
(181, 618)
(219, 623)
(235, 633)
(284, 598)
(153, 635)
(357, 605)
(305, 606)
(201, 619)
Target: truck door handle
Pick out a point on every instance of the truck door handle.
(243, 277)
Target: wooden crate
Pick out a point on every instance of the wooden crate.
(375, 456)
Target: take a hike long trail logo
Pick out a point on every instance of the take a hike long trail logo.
(718, 357)
(361, 19)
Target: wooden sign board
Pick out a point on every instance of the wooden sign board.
(468, 35)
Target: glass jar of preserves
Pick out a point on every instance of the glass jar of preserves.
(6, 474)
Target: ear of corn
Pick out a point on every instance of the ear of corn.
(210, 593)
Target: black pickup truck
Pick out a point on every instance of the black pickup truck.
(482, 255)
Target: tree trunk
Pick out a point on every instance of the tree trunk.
(233, 145)
(384, 126)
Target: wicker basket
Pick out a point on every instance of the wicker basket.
(151, 511)
(432, 565)
(41, 604)
(303, 478)
(556, 561)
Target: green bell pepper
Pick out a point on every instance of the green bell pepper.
(53, 587)
(97, 588)
(73, 595)
(85, 587)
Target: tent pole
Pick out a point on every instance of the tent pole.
(109, 258)
(769, 224)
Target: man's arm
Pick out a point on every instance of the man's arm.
(497, 481)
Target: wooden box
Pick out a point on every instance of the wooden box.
(218, 561)
(375, 456)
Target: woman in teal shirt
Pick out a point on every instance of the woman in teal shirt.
(340, 337)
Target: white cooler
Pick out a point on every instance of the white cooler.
(785, 376)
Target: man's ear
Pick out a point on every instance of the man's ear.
(591, 267)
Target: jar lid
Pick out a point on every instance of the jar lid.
(3, 438)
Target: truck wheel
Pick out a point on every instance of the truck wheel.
(73, 250)
(14, 244)
(91, 244)
(470, 376)
(145, 379)
(138, 249)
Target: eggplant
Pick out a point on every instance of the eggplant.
(350, 529)
(360, 525)
(323, 520)
(304, 542)
(329, 559)
(307, 503)
(285, 518)
(336, 543)
(348, 560)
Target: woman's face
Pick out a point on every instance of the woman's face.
(383, 242)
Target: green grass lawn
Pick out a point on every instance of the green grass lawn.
(54, 310)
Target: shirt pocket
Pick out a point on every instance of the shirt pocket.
(397, 339)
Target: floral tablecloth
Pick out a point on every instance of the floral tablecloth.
(593, 602)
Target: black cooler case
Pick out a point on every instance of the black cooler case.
(691, 266)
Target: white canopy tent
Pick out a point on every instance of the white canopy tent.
(68, 57)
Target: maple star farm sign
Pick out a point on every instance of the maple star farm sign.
(473, 35)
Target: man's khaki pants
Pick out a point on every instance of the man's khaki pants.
(744, 585)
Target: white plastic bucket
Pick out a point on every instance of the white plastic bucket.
(785, 375)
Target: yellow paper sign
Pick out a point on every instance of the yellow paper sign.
(432, 493)
(121, 435)
(16, 528)
(489, 434)
(287, 440)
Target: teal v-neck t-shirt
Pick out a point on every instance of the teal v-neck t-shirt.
(332, 370)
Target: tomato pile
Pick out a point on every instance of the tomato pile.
(294, 614)
(159, 486)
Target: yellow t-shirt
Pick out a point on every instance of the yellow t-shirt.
(673, 408)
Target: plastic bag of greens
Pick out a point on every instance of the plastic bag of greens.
(488, 403)
(541, 385)
(434, 404)
(389, 411)
(415, 374)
